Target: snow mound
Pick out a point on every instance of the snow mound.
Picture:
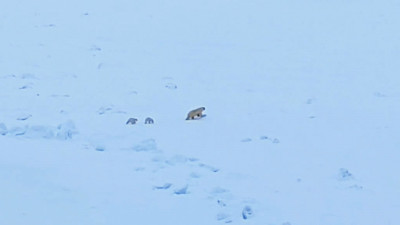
(63, 131)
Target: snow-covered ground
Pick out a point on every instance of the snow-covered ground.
(302, 101)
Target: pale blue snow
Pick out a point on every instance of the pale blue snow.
(302, 101)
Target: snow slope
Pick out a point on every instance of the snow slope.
(302, 102)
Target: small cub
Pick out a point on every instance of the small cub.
(196, 112)
(131, 121)
(148, 120)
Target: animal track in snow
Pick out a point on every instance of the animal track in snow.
(100, 148)
(247, 212)
(171, 86)
(108, 109)
(182, 191)
(275, 141)
(310, 101)
(262, 138)
(163, 187)
(246, 140)
(344, 174)
(221, 203)
(24, 117)
(104, 109)
(26, 86)
(95, 48)
(379, 95)
(3, 129)
(208, 167)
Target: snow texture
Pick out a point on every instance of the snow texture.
(302, 101)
